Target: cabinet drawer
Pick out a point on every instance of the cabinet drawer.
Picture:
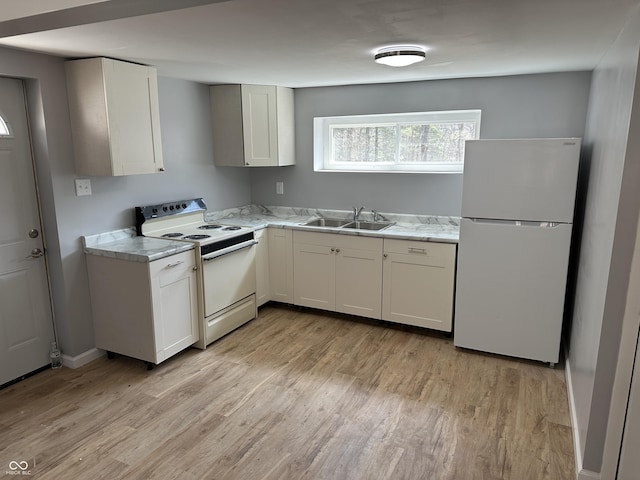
(338, 240)
(445, 251)
(173, 263)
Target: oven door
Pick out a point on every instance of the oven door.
(228, 276)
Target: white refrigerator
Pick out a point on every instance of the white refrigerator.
(518, 201)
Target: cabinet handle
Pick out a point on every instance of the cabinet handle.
(195, 267)
(161, 169)
(175, 264)
(385, 255)
(417, 250)
(337, 250)
(333, 249)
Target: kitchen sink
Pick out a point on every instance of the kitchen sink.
(327, 222)
(364, 225)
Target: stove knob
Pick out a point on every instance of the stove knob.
(184, 205)
(171, 207)
(177, 207)
(155, 210)
(164, 209)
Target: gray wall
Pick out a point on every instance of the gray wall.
(550, 105)
(610, 179)
(185, 122)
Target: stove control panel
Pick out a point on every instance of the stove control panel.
(168, 209)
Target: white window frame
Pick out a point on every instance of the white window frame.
(5, 130)
(322, 140)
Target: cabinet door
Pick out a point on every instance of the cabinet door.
(134, 120)
(359, 282)
(418, 287)
(259, 121)
(314, 273)
(280, 246)
(262, 267)
(175, 306)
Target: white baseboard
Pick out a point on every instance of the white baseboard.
(82, 359)
(581, 473)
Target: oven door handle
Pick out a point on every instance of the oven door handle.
(228, 250)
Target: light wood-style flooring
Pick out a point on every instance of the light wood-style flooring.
(295, 394)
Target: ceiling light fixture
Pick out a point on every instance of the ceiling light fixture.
(400, 55)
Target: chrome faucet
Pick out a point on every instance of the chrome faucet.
(376, 215)
(357, 212)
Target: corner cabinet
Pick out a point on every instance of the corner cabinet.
(253, 125)
(115, 119)
(336, 272)
(147, 311)
(418, 283)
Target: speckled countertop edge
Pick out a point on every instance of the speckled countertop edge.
(125, 245)
(406, 227)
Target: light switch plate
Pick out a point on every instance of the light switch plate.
(83, 187)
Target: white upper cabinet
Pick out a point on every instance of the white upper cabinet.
(115, 119)
(253, 125)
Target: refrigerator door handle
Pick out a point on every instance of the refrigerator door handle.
(516, 223)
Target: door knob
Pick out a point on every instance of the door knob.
(35, 253)
(33, 233)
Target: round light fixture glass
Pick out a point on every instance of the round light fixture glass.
(400, 55)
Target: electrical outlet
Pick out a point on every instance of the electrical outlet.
(83, 187)
(280, 188)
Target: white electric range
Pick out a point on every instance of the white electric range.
(225, 258)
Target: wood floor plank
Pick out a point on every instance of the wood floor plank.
(301, 394)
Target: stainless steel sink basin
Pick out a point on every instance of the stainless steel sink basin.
(327, 222)
(364, 225)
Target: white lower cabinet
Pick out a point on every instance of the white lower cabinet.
(280, 246)
(341, 273)
(418, 283)
(262, 267)
(314, 271)
(147, 311)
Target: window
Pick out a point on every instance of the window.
(430, 142)
(4, 128)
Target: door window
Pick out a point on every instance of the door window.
(4, 128)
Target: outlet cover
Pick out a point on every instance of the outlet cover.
(83, 187)
(279, 188)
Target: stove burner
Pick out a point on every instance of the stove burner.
(231, 228)
(172, 235)
(209, 227)
(196, 237)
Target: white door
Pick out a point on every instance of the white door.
(629, 458)
(532, 179)
(314, 270)
(259, 120)
(359, 282)
(26, 327)
(510, 288)
(418, 289)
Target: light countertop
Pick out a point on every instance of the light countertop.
(125, 245)
(406, 227)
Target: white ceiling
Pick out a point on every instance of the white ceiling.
(302, 43)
